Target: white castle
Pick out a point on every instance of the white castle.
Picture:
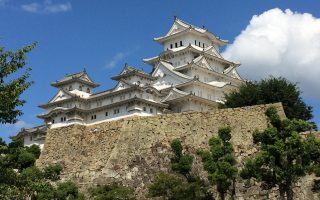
(189, 75)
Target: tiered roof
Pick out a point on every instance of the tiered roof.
(209, 52)
(81, 77)
(131, 71)
(180, 27)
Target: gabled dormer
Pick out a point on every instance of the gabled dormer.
(182, 34)
(76, 83)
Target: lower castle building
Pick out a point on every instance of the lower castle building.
(189, 75)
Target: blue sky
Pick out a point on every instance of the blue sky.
(102, 36)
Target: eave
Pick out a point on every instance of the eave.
(68, 110)
(193, 65)
(133, 73)
(62, 83)
(193, 97)
(193, 30)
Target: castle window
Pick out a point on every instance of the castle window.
(30, 138)
(199, 44)
(176, 44)
(93, 117)
(151, 110)
(180, 43)
(52, 121)
(195, 42)
(203, 45)
(171, 46)
(88, 90)
(106, 113)
(80, 87)
(116, 111)
(70, 87)
(111, 99)
(144, 109)
(63, 119)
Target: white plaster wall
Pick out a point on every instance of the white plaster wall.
(165, 79)
(138, 80)
(28, 142)
(186, 40)
(182, 59)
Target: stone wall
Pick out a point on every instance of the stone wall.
(133, 150)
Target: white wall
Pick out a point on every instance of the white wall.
(186, 40)
(29, 140)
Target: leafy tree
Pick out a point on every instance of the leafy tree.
(112, 192)
(68, 190)
(181, 163)
(271, 90)
(220, 162)
(285, 156)
(183, 185)
(20, 179)
(10, 87)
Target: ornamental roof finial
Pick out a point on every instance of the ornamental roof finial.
(84, 70)
(175, 17)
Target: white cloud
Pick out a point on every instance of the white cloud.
(46, 7)
(119, 57)
(13, 129)
(280, 43)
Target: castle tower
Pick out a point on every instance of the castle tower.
(191, 69)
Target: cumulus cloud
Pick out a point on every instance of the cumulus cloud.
(46, 7)
(119, 57)
(280, 43)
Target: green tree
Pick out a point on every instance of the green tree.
(112, 192)
(285, 156)
(220, 162)
(68, 191)
(21, 179)
(181, 186)
(181, 163)
(10, 87)
(271, 90)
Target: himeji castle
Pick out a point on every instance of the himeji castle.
(189, 75)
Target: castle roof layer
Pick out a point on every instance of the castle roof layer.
(81, 77)
(180, 27)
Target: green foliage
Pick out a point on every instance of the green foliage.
(180, 163)
(271, 90)
(35, 150)
(11, 88)
(220, 162)
(68, 190)
(285, 156)
(173, 187)
(112, 192)
(181, 186)
(20, 179)
(52, 172)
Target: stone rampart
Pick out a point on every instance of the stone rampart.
(133, 150)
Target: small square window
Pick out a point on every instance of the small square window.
(171, 46)
(151, 110)
(144, 109)
(106, 113)
(180, 43)
(176, 44)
